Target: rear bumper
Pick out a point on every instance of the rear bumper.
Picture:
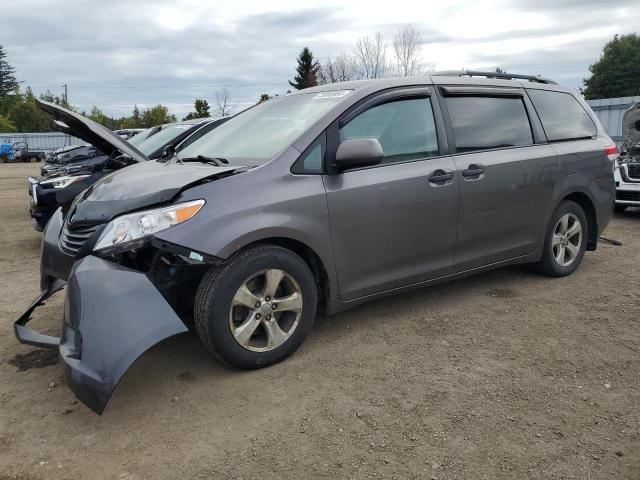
(112, 315)
(628, 194)
(627, 190)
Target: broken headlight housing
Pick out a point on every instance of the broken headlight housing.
(132, 230)
(62, 182)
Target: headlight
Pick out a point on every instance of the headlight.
(133, 227)
(63, 182)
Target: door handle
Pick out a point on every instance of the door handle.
(440, 176)
(473, 171)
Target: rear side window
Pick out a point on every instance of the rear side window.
(482, 123)
(405, 128)
(562, 116)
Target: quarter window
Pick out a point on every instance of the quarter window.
(482, 123)
(405, 129)
(562, 117)
(312, 160)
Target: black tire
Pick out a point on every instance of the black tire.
(620, 208)
(548, 264)
(220, 284)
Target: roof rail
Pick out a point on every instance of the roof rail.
(500, 75)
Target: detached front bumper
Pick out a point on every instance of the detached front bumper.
(112, 315)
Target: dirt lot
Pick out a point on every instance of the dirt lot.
(503, 375)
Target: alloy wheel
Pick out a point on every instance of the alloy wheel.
(265, 310)
(567, 239)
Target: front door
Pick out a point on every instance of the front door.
(394, 224)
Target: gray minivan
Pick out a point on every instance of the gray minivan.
(315, 202)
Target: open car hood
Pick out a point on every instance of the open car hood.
(631, 123)
(140, 186)
(81, 127)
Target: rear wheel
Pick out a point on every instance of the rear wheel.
(565, 241)
(257, 309)
(620, 208)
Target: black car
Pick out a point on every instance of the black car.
(72, 157)
(56, 162)
(60, 187)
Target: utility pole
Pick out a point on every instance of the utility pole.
(66, 95)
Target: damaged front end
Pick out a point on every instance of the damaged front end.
(116, 307)
(126, 290)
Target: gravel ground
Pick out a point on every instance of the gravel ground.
(504, 375)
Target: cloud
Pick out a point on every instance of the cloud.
(119, 53)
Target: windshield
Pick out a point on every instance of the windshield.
(259, 133)
(164, 136)
(139, 137)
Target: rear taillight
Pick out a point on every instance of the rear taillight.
(612, 152)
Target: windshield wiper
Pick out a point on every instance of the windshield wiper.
(217, 161)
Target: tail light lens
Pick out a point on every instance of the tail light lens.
(612, 152)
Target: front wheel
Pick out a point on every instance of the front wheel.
(258, 308)
(565, 241)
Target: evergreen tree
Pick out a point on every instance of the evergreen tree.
(133, 121)
(307, 71)
(617, 72)
(8, 82)
(98, 116)
(201, 110)
(137, 120)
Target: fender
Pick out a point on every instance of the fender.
(598, 217)
(293, 207)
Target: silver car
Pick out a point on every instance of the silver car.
(627, 174)
(316, 202)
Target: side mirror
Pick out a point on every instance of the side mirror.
(168, 151)
(358, 152)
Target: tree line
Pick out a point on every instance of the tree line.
(615, 74)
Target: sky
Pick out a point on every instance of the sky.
(117, 53)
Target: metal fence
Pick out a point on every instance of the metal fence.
(41, 141)
(610, 111)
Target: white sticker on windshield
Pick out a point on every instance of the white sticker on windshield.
(332, 94)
